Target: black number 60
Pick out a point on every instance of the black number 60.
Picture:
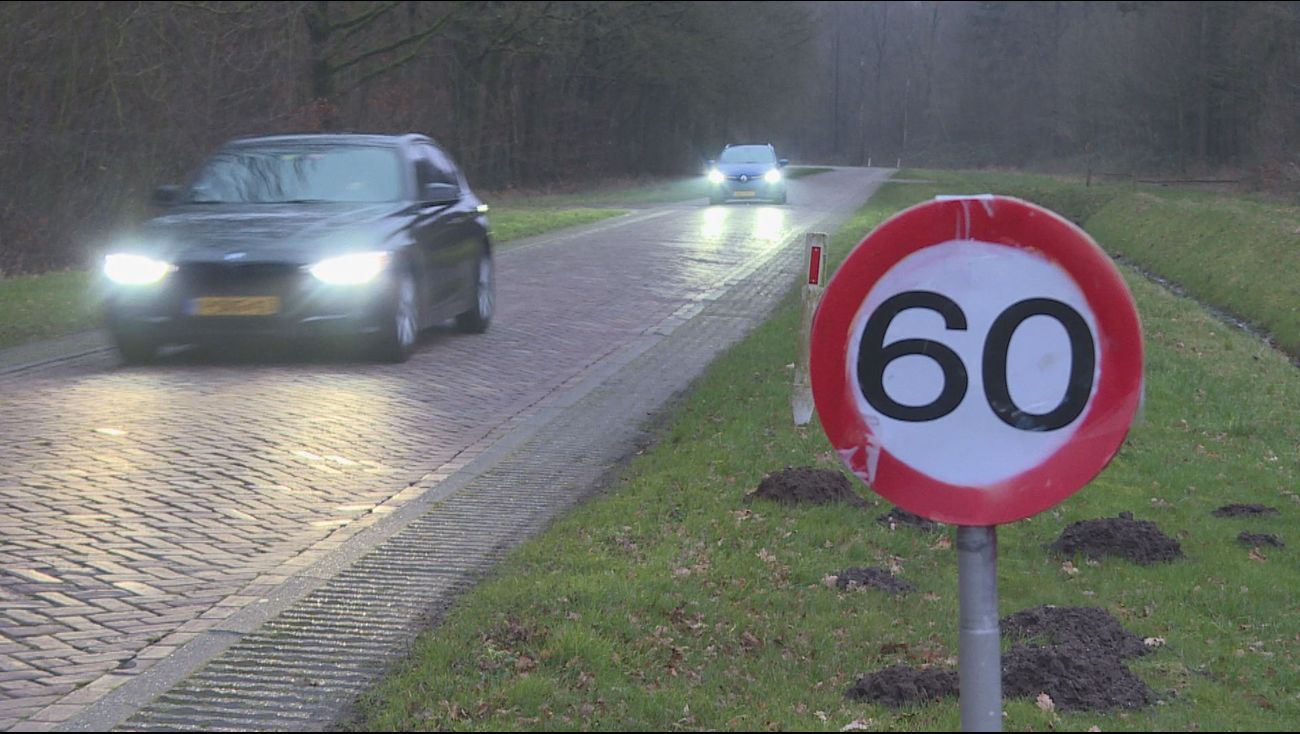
(874, 356)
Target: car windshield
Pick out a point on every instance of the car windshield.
(747, 154)
(299, 174)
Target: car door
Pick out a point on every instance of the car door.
(436, 236)
(462, 231)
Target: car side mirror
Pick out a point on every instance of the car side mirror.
(783, 163)
(167, 195)
(441, 193)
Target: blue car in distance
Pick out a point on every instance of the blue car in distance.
(747, 172)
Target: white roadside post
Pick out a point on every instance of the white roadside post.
(814, 274)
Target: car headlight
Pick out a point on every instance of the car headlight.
(354, 269)
(772, 176)
(127, 269)
(716, 177)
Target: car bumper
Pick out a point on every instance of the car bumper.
(753, 189)
(210, 303)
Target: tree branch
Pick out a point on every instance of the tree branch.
(412, 38)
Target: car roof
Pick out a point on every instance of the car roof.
(331, 139)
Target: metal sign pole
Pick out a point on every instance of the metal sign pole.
(979, 645)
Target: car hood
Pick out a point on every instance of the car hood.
(299, 233)
(745, 169)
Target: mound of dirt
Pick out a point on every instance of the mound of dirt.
(1244, 510)
(1137, 540)
(1260, 539)
(898, 516)
(806, 485)
(1077, 678)
(877, 578)
(1073, 654)
(900, 685)
(1092, 629)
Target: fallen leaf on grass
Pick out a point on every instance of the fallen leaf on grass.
(1256, 556)
(1069, 569)
(858, 725)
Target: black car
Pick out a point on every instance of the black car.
(367, 237)
(747, 172)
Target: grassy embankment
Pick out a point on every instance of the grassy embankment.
(670, 604)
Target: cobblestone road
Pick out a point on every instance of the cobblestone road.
(142, 506)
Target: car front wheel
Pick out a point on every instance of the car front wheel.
(134, 348)
(396, 339)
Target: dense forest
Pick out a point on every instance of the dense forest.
(105, 100)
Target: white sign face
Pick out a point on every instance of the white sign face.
(974, 362)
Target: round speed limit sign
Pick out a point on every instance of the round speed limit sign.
(976, 360)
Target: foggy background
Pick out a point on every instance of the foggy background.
(104, 101)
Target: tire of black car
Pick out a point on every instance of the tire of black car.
(477, 318)
(134, 348)
(395, 341)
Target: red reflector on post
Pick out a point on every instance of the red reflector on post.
(815, 265)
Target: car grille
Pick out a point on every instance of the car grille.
(240, 278)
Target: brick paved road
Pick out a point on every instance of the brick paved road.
(141, 506)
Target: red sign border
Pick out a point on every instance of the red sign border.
(1013, 223)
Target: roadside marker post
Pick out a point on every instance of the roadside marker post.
(976, 360)
(801, 399)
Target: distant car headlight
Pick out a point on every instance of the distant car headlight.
(716, 177)
(772, 176)
(126, 269)
(354, 269)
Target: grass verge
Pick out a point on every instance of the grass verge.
(43, 306)
(617, 193)
(515, 223)
(670, 604)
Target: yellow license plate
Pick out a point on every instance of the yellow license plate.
(744, 194)
(236, 306)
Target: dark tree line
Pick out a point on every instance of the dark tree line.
(104, 100)
(1186, 88)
